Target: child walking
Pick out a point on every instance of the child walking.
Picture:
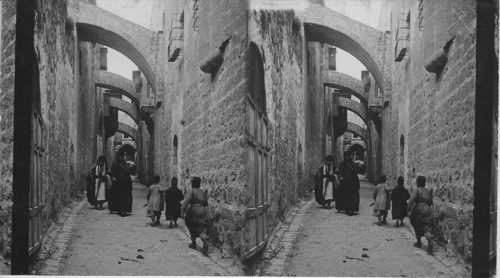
(155, 201)
(399, 197)
(381, 204)
(173, 198)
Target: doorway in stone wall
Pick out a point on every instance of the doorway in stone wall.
(257, 154)
(28, 150)
(175, 163)
(401, 167)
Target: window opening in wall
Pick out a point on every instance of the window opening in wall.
(176, 37)
(195, 15)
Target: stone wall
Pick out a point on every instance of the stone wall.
(315, 137)
(67, 109)
(279, 36)
(7, 122)
(435, 112)
(206, 112)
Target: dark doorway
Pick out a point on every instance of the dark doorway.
(26, 222)
(485, 150)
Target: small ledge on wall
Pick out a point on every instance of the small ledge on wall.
(438, 60)
(213, 61)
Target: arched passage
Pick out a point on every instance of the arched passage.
(358, 149)
(363, 42)
(354, 106)
(345, 83)
(137, 43)
(117, 83)
(127, 107)
(126, 149)
(129, 131)
(359, 131)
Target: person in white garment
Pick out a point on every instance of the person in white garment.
(100, 182)
(328, 180)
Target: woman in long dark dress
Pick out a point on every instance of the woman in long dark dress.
(420, 208)
(195, 212)
(173, 198)
(120, 199)
(348, 192)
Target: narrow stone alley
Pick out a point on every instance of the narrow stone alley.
(102, 243)
(328, 243)
(256, 102)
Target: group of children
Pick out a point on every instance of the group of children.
(384, 194)
(160, 198)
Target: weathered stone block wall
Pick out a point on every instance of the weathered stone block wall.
(67, 109)
(315, 112)
(435, 112)
(207, 114)
(86, 111)
(7, 122)
(279, 36)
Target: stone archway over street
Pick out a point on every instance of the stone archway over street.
(137, 43)
(363, 42)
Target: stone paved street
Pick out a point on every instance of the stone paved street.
(101, 243)
(328, 243)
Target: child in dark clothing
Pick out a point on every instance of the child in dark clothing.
(399, 197)
(173, 198)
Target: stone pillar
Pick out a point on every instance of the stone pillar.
(105, 113)
(103, 58)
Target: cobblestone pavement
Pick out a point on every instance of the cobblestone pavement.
(88, 241)
(318, 242)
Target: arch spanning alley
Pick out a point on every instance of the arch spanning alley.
(127, 107)
(137, 43)
(129, 131)
(345, 83)
(117, 83)
(357, 144)
(354, 106)
(363, 42)
(125, 146)
(359, 131)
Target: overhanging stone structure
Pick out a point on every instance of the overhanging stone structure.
(127, 107)
(356, 107)
(129, 131)
(137, 43)
(117, 83)
(363, 42)
(359, 131)
(345, 83)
